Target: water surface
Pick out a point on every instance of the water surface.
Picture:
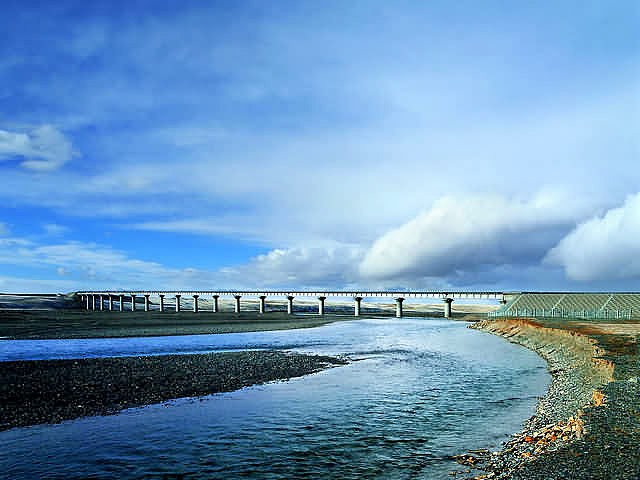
(418, 391)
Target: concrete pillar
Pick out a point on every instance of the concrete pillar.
(121, 303)
(93, 302)
(290, 305)
(162, 303)
(101, 302)
(88, 303)
(357, 306)
(447, 307)
(215, 303)
(111, 303)
(399, 307)
(262, 303)
(146, 303)
(178, 303)
(237, 306)
(195, 303)
(133, 303)
(321, 305)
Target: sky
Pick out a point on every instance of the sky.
(484, 145)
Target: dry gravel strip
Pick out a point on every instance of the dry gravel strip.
(587, 426)
(50, 391)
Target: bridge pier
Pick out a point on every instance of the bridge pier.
(290, 305)
(87, 301)
(357, 306)
(399, 301)
(178, 302)
(447, 307)
(321, 305)
(162, 303)
(195, 303)
(237, 305)
(111, 303)
(262, 303)
(93, 302)
(133, 303)
(122, 303)
(146, 303)
(101, 302)
(215, 303)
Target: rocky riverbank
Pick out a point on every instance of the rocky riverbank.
(50, 391)
(587, 426)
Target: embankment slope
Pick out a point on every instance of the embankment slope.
(587, 426)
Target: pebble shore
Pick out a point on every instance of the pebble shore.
(50, 391)
(587, 426)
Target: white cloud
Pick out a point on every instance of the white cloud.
(44, 148)
(202, 226)
(604, 247)
(299, 267)
(469, 232)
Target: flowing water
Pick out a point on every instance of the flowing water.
(418, 391)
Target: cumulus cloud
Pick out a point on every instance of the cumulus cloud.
(44, 148)
(470, 233)
(604, 247)
(299, 267)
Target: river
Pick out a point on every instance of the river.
(418, 391)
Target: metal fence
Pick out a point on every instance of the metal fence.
(563, 313)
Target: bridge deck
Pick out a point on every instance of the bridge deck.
(305, 293)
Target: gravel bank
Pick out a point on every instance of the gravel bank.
(50, 391)
(587, 426)
(56, 323)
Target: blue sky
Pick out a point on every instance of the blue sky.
(326, 144)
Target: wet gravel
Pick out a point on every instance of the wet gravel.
(50, 391)
(574, 433)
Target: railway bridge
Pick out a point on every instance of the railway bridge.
(95, 300)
